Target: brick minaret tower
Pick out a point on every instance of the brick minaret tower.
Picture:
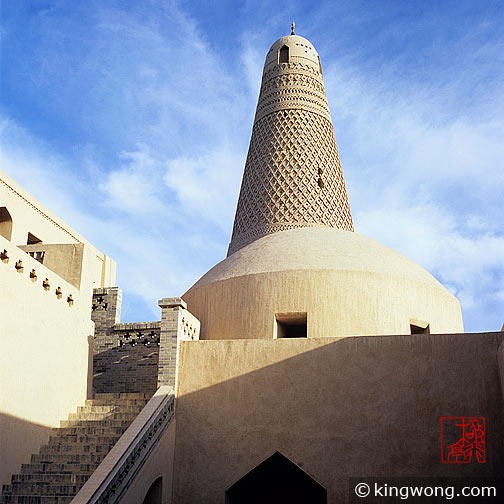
(293, 175)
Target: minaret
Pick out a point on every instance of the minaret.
(293, 175)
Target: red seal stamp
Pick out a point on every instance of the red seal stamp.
(462, 440)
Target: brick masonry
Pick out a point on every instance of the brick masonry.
(176, 323)
(137, 357)
(125, 355)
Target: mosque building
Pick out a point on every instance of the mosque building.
(307, 360)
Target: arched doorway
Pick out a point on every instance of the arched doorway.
(277, 480)
(155, 493)
(5, 223)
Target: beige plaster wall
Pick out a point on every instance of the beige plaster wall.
(159, 464)
(44, 363)
(44, 358)
(338, 408)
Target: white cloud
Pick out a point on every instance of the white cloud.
(207, 186)
(134, 187)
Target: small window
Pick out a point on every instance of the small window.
(5, 223)
(291, 325)
(32, 239)
(283, 55)
(419, 327)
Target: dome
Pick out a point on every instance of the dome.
(342, 283)
(300, 50)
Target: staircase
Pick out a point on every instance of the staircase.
(77, 447)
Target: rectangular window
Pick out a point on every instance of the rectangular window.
(419, 326)
(291, 325)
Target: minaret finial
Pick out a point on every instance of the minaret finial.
(293, 25)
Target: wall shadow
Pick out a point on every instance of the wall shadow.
(19, 439)
(339, 409)
(126, 368)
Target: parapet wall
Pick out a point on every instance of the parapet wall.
(65, 259)
(27, 267)
(137, 357)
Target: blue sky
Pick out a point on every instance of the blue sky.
(131, 120)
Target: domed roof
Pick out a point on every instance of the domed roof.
(299, 48)
(316, 248)
(342, 283)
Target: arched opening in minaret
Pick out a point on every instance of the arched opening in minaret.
(283, 55)
(5, 223)
(276, 480)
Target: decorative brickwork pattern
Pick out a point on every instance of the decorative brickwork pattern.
(106, 313)
(292, 86)
(293, 176)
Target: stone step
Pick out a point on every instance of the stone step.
(76, 448)
(97, 423)
(90, 430)
(57, 478)
(133, 408)
(91, 439)
(36, 499)
(115, 415)
(42, 489)
(62, 458)
(58, 468)
(123, 395)
(116, 402)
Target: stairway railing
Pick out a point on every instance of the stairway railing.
(113, 476)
